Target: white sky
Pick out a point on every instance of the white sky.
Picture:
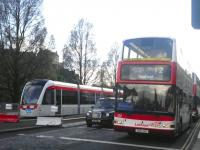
(117, 20)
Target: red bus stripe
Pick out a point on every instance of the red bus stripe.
(146, 117)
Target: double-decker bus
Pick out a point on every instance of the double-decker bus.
(196, 97)
(41, 97)
(156, 86)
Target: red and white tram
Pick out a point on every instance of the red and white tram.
(51, 98)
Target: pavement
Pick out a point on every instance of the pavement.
(196, 145)
(24, 124)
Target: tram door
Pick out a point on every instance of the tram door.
(58, 102)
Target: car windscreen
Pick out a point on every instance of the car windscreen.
(106, 103)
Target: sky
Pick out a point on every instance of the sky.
(117, 20)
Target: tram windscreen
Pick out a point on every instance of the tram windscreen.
(150, 48)
(145, 72)
(147, 99)
(31, 93)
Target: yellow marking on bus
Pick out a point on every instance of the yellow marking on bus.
(150, 59)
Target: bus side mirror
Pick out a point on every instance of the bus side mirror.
(195, 14)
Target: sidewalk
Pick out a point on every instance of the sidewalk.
(13, 126)
(196, 145)
(25, 124)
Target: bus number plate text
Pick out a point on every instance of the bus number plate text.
(141, 131)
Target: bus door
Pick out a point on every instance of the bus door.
(179, 103)
(177, 99)
(58, 102)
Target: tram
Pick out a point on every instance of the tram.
(41, 97)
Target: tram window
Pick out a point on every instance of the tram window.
(58, 97)
(69, 97)
(87, 98)
(97, 96)
(48, 97)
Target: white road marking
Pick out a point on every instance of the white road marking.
(44, 136)
(66, 119)
(108, 129)
(73, 118)
(117, 143)
(199, 135)
(21, 134)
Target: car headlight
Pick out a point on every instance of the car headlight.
(89, 113)
(107, 114)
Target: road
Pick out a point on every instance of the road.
(79, 137)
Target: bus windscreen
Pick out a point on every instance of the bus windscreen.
(145, 72)
(147, 99)
(148, 48)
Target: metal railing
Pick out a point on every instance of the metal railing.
(9, 108)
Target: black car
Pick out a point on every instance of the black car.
(102, 113)
(195, 114)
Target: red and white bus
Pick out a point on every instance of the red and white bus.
(53, 98)
(196, 97)
(156, 85)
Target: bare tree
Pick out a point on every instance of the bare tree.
(22, 31)
(109, 67)
(80, 52)
(102, 76)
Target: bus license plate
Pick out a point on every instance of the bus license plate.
(141, 131)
